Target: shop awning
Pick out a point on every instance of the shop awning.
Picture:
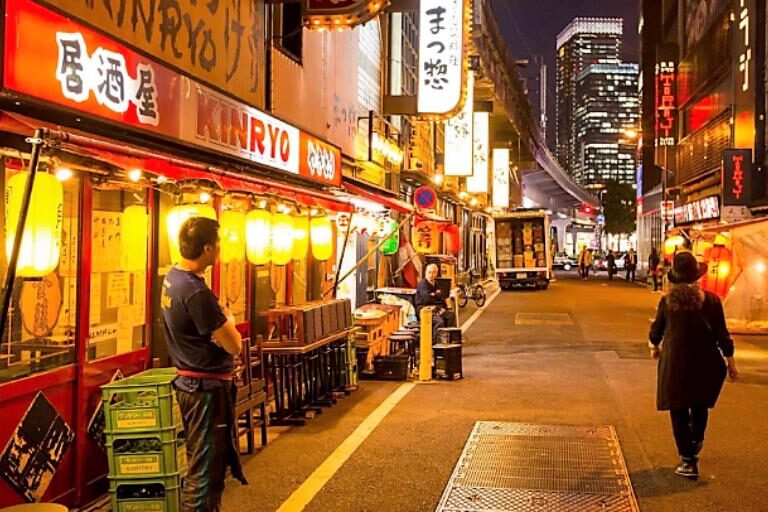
(389, 202)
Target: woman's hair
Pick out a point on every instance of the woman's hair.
(685, 297)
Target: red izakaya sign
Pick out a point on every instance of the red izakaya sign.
(79, 69)
(666, 95)
(737, 177)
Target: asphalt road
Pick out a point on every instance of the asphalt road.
(587, 365)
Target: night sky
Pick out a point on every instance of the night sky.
(531, 28)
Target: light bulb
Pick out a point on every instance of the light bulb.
(205, 197)
(63, 173)
(135, 174)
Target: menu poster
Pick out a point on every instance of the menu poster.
(69, 243)
(118, 289)
(95, 310)
(139, 297)
(105, 240)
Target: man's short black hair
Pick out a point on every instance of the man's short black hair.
(195, 234)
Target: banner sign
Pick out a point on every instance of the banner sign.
(441, 56)
(458, 136)
(77, 68)
(478, 182)
(697, 211)
(500, 178)
(744, 51)
(338, 14)
(218, 42)
(666, 95)
(737, 177)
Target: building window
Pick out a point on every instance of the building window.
(289, 29)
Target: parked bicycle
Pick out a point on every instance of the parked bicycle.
(473, 290)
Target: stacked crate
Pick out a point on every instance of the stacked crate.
(146, 447)
(504, 244)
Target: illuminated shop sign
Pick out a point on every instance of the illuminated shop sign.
(458, 136)
(737, 177)
(500, 178)
(441, 56)
(385, 152)
(666, 95)
(478, 182)
(744, 72)
(704, 209)
(95, 75)
(338, 14)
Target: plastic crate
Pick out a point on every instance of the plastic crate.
(393, 367)
(147, 495)
(143, 402)
(156, 458)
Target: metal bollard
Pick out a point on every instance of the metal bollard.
(425, 345)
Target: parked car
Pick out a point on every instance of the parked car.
(564, 261)
(599, 263)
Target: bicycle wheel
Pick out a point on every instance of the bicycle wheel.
(479, 296)
(462, 297)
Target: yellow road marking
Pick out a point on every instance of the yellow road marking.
(325, 471)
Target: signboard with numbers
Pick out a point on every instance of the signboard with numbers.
(441, 56)
(220, 42)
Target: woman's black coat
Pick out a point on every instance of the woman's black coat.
(691, 368)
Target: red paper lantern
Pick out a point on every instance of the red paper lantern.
(719, 270)
(452, 239)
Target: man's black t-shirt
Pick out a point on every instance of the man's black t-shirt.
(191, 313)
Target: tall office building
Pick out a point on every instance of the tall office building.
(607, 106)
(583, 42)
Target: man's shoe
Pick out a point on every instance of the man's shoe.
(688, 470)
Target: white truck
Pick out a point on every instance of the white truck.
(523, 249)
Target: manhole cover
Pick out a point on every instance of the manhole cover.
(538, 468)
(543, 319)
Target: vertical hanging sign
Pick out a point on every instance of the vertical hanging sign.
(666, 95)
(458, 136)
(744, 74)
(441, 56)
(500, 178)
(737, 177)
(478, 182)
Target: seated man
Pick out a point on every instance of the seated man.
(428, 294)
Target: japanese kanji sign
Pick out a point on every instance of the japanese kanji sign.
(737, 177)
(666, 95)
(220, 42)
(478, 182)
(441, 56)
(744, 33)
(500, 178)
(426, 237)
(458, 136)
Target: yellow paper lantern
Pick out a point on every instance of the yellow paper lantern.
(300, 237)
(282, 238)
(232, 234)
(41, 242)
(672, 244)
(258, 236)
(176, 218)
(321, 236)
(134, 235)
(426, 236)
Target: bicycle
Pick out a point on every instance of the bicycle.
(475, 291)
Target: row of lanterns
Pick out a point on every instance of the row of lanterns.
(259, 235)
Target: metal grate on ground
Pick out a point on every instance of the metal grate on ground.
(526, 467)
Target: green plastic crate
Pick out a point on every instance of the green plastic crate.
(156, 458)
(141, 403)
(147, 495)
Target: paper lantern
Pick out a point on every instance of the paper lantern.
(672, 244)
(282, 238)
(426, 236)
(321, 236)
(41, 242)
(134, 236)
(258, 236)
(389, 229)
(342, 221)
(719, 270)
(232, 234)
(452, 239)
(176, 218)
(300, 237)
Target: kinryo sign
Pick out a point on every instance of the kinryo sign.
(500, 178)
(441, 56)
(478, 182)
(458, 136)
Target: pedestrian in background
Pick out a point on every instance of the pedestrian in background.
(585, 262)
(653, 268)
(630, 264)
(692, 358)
(610, 264)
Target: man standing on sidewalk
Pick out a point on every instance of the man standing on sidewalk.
(630, 264)
(202, 340)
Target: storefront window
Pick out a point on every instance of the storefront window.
(119, 255)
(40, 328)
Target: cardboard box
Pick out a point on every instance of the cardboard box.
(519, 261)
(328, 312)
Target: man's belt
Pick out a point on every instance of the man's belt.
(205, 375)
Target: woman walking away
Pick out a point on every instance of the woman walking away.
(653, 267)
(692, 358)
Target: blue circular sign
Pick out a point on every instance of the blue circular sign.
(425, 197)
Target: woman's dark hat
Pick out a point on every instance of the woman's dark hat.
(685, 268)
